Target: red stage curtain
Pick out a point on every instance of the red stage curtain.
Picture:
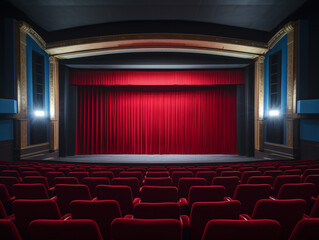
(157, 77)
(156, 120)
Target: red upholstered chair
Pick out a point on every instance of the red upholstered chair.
(166, 210)
(315, 180)
(315, 209)
(185, 184)
(79, 229)
(44, 170)
(8, 230)
(158, 194)
(3, 212)
(137, 169)
(180, 174)
(230, 174)
(230, 184)
(292, 172)
(121, 194)
(132, 182)
(30, 191)
(145, 229)
(309, 171)
(64, 170)
(51, 177)
(219, 170)
(162, 181)
(284, 168)
(66, 180)
(266, 168)
(92, 182)
(29, 173)
(131, 174)
(5, 198)
(11, 173)
(273, 173)
(283, 179)
(243, 169)
(286, 212)
(208, 175)
(202, 212)
(297, 191)
(25, 211)
(249, 194)
(78, 175)
(176, 169)
(103, 212)
(116, 171)
(157, 174)
(247, 174)
(37, 179)
(157, 169)
(105, 174)
(261, 180)
(306, 229)
(66, 193)
(237, 229)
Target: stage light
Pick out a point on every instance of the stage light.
(274, 113)
(39, 113)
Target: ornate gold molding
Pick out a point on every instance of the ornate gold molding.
(27, 29)
(259, 103)
(54, 103)
(280, 34)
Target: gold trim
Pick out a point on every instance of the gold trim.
(280, 34)
(33, 156)
(27, 154)
(288, 157)
(27, 29)
(270, 150)
(33, 146)
(278, 145)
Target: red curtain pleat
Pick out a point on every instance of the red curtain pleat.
(156, 120)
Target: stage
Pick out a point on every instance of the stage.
(158, 159)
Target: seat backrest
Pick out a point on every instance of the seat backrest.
(10, 173)
(103, 212)
(30, 191)
(286, 212)
(28, 210)
(116, 171)
(9, 182)
(130, 174)
(310, 171)
(157, 174)
(315, 180)
(273, 173)
(247, 174)
(80, 229)
(230, 174)
(236, 229)
(297, 191)
(249, 194)
(51, 177)
(66, 193)
(202, 212)
(106, 174)
(3, 213)
(92, 182)
(292, 172)
(176, 175)
(8, 230)
(162, 181)
(219, 170)
(184, 184)
(66, 180)
(205, 194)
(4, 195)
(132, 182)
(230, 184)
(167, 210)
(208, 175)
(306, 229)
(145, 229)
(119, 193)
(158, 194)
(283, 179)
(30, 173)
(266, 168)
(78, 175)
(37, 179)
(260, 180)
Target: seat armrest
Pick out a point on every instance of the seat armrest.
(306, 216)
(185, 221)
(227, 199)
(94, 199)
(55, 198)
(136, 201)
(67, 216)
(182, 202)
(129, 216)
(272, 198)
(244, 217)
(11, 199)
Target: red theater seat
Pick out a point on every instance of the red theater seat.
(230, 184)
(261, 180)
(92, 182)
(51, 177)
(105, 174)
(283, 179)
(167, 210)
(8, 230)
(176, 175)
(30, 191)
(273, 173)
(5, 198)
(230, 174)
(219, 170)
(103, 212)
(80, 229)
(29, 173)
(66, 180)
(310, 171)
(238, 229)
(158, 194)
(247, 174)
(306, 229)
(132, 182)
(116, 171)
(37, 179)
(146, 229)
(185, 184)
(131, 174)
(78, 175)
(162, 181)
(292, 172)
(9, 182)
(157, 174)
(208, 175)
(315, 180)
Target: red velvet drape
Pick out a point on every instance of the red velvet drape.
(156, 120)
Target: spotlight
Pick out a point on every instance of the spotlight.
(274, 113)
(39, 113)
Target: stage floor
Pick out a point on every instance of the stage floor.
(162, 159)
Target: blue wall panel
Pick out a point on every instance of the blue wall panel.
(6, 130)
(309, 129)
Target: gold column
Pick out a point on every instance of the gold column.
(259, 103)
(21, 80)
(292, 78)
(54, 103)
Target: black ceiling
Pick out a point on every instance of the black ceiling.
(53, 15)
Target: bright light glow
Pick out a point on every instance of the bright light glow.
(39, 113)
(274, 113)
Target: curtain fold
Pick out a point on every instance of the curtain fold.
(156, 120)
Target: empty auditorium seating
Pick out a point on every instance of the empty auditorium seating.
(162, 181)
(29, 173)
(9, 182)
(315, 180)
(230, 174)
(247, 174)
(92, 182)
(8, 230)
(166, 210)
(219, 170)
(236, 229)
(310, 171)
(3, 212)
(103, 212)
(78, 175)
(145, 229)
(292, 172)
(283, 179)
(105, 174)
(157, 174)
(132, 182)
(37, 179)
(30, 191)
(66, 180)
(306, 229)
(116, 171)
(158, 194)
(51, 177)
(176, 175)
(230, 184)
(80, 229)
(208, 175)
(315, 209)
(128, 174)
(5, 198)
(184, 184)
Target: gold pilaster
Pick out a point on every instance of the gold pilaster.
(54, 103)
(21, 80)
(259, 103)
